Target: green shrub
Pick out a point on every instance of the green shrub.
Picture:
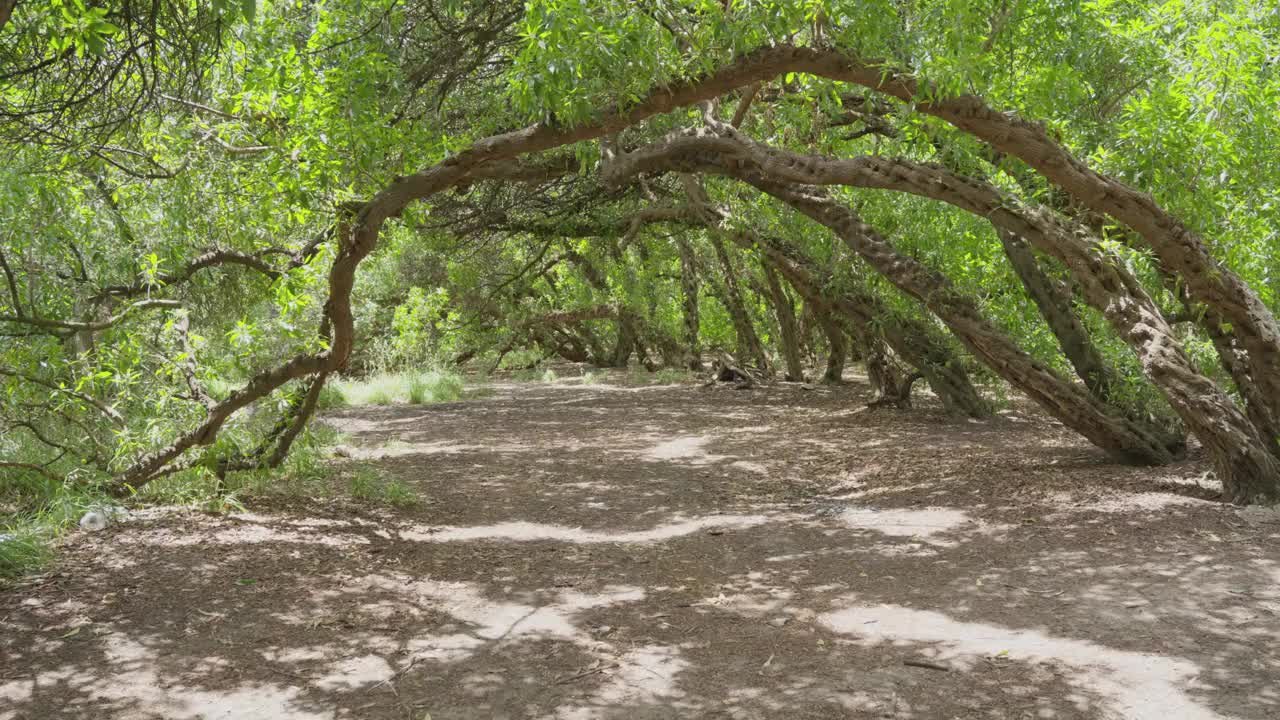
(38, 511)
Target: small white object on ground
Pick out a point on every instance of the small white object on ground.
(93, 521)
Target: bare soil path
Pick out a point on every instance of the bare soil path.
(675, 552)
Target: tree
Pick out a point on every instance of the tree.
(977, 175)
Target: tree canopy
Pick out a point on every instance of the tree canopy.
(213, 208)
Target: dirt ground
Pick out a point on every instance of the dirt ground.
(675, 552)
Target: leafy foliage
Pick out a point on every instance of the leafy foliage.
(187, 185)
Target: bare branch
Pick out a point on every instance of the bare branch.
(33, 468)
(74, 327)
(201, 107)
(740, 114)
(13, 285)
(188, 363)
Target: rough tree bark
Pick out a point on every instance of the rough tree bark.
(1125, 439)
(837, 346)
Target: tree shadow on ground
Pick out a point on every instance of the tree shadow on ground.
(675, 552)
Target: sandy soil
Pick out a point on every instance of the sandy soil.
(675, 552)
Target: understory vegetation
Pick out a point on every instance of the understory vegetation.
(223, 218)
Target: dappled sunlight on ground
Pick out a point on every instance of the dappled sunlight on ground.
(526, 531)
(589, 551)
(1142, 686)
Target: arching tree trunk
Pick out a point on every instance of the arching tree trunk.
(1245, 458)
(1255, 330)
(1124, 438)
(787, 326)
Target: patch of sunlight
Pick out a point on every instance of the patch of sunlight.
(246, 535)
(442, 447)
(1125, 503)
(901, 522)
(529, 532)
(354, 673)
(645, 675)
(689, 447)
(1141, 686)
(501, 619)
(130, 675)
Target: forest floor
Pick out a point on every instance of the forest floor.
(604, 551)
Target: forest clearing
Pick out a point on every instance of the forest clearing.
(639, 358)
(661, 551)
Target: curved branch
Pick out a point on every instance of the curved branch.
(49, 474)
(209, 259)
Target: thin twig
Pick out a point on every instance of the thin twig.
(585, 673)
(926, 665)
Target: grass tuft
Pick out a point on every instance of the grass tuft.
(24, 549)
(331, 396)
(370, 484)
(417, 388)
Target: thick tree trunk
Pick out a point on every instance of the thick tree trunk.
(787, 326)
(1232, 359)
(689, 303)
(1125, 439)
(626, 342)
(837, 347)
(1238, 445)
(1181, 250)
(1255, 402)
